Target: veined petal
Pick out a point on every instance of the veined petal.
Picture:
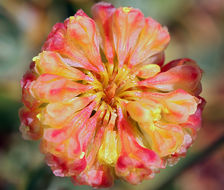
(194, 120)
(29, 77)
(81, 34)
(108, 152)
(63, 146)
(164, 138)
(148, 71)
(144, 110)
(58, 135)
(52, 63)
(28, 100)
(186, 76)
(152, 40)
(102, 14)
(135, 162)
(179, 105)
(58, 41)
(54, 88)
(197, 90)
(138, 111)
(56, 114)
(126, 26)
(75, 144)
(176, 106)
(86, 135)
(62, 167)
(96, 174)
(31, 127)
(158, 59)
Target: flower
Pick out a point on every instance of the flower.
(103, 103)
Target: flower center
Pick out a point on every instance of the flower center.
(110, 92)
(115, 86)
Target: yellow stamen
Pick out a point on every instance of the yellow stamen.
(126, 9)
(36, 58)
(108, 152)
(39, 116)
(82, 155)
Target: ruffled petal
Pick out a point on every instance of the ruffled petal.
(108, 152)
(54, 88)
(142, 111)
(150, 67)
(127, 24)
(176, 106)
(158, 59)
(184, 74)
(164, 138)
(159, 115)
(135, 162)
(152, 40)
(58, 135)
(56, 114)
(96, 174)
(30, 127)
(102, 14)
(52, 63)
(62, 167)
(81, 34)
(148, 71)
(58, 41)
(194, 120)
(27, 98)
(63, 147)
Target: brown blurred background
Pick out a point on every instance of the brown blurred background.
(197, 31)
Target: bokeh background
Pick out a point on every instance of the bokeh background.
(197, 31)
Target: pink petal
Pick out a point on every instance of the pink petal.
(52, 63)
(136, 162)
(54, 88)
(102, 14)
(152, 40)
(183, 74)
(127, 24)
(81, 33)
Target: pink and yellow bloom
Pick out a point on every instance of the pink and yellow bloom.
(103, 103)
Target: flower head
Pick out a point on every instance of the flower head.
(102, 102)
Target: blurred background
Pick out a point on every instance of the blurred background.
(197, 31)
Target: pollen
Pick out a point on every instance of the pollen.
(35, 58)
(82, 155)
(39, 116)
(126, 9)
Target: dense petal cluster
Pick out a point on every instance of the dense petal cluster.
(104, 104)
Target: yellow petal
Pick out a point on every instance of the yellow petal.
(52, 63)
(126, 25)
(108, 152)
(149, 70)
(56, 114)
(138, 112)
(165, 139)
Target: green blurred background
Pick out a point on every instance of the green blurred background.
(196, 28)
